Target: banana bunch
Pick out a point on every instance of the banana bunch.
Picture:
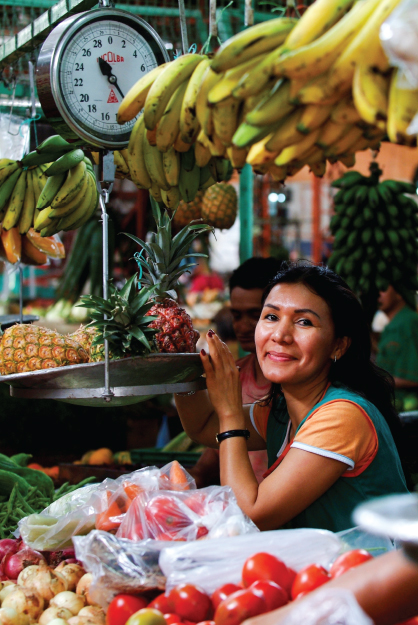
(69, 197)
(375, 229)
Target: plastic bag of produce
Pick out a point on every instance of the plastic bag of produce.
(188, 515)
(329, 606)
(398, 35)
(118, 565)
(212, 563)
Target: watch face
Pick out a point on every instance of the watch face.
(95, 64)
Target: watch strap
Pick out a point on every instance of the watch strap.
(231, 433)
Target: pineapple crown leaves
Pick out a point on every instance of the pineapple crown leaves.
(166, 254)
(122, 318)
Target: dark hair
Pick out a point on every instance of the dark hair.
(255, 273)
(355, 369)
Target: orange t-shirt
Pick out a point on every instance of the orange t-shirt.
(339, 429)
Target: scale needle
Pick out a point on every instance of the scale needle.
(106, 70)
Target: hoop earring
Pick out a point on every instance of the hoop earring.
(335, 358)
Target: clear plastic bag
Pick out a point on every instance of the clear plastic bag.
(356, 538)
(119, 565)
(14, 136)
(398, 35)
(188, 515)
(329, 606)
(212, 563)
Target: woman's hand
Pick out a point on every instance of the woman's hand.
(223, 383)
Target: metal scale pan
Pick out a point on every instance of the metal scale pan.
(132, 380)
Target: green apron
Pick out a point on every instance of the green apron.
(398, 354)
(333, 510)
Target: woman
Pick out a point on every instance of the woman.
(327, 423)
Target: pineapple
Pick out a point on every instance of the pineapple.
(220, 205)
(188, 211)
(26, 347)
(121, 320)
(175, 333)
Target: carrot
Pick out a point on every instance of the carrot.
(105, 520)
(178, 477)
(132, 490)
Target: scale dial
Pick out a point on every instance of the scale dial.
(85, 67)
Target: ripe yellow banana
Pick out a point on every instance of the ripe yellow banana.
(225, 119)
(63, 211)
(43, 220)
(277, 173)
(246, 134)
(164, 86)
(37, 185)
(345, 112)
(71, 186)
(237, 156)
(155, 192)
(202, 154)
(287, 133)
(169, 124)
(136, 161)
(7, 170)
(134, 100)
(313, 116)
(154, 164)
(189, 124)
(254, 81)
(318, 91)
(28, 210)
(225, 87)
(203, 111)
(348, 161)
(316, 20)
(258, 154)
(273, 107)
(370, 95)
(330, 132)
(180, 146)
(364, 43)
(120, 163)
(70, 221)
(171, 165)
(318, 169)
(251, 42)
(345, 144)
(296, 150)
(171, 198)
(317, 57)
(402, 108)
(15, 205)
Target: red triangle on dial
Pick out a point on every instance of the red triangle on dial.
(112, 97)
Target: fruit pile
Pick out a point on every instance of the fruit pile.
(278, 95)
(375, 227)
(267, 584)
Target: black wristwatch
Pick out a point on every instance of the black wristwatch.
(231, 433)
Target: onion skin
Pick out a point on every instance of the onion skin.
(52, 613)
(9, 616)
(27, 573)
(94, 612)
(8, 545)
(58, 621)
(70, 600)
(72, 573)
(83, 587)
(25, 601)
(82, 620)
(14, 563)
(5, 593)
(46, 582)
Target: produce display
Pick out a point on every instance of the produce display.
(279, 95)
(375, 225)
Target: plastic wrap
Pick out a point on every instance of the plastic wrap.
(212, 563)
(118, 565)
(329, 606)
(14, 136)
(188, 515)
(356, 538)
(399, 34)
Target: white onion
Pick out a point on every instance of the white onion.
(46, 582)
(58, 621)
(4, 592)
(94, 612)
(72, 573)
(9, 616)
(26, 573)
(25, 601)
(83, 587)
(70, 600)
(53, 613)
(81, 620)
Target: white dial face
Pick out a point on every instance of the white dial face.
(98, 66)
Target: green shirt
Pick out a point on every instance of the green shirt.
(398, 349)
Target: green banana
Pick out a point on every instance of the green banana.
(65, 163)
(7, 187)
(373, 197)
(15, 205)
(385, 192)
(53, 185)
(33, 158)
(349, 179)
(54, 144)
(189, 178)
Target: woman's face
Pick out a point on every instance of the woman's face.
(295, 336)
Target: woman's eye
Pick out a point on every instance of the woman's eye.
(271, 317)
(305, 322)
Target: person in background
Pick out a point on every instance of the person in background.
(398, 344)
(246, 286)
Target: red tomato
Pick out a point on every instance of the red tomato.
(197, 502)
(265, 566)
(308, 579)
(166, 513)
(239, 606)
(410, 621)
(349, 560)
(190, 602)
(161, 603)
(172, 618)
(122, 607)
(274, 595)
(291, 574)
(222, 593)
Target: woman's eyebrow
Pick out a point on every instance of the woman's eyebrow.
(299, 310)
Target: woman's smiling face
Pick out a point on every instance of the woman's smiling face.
(295, 336)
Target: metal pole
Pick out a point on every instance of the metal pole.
(246, 213)
(213, 25)
(20, 294)
(183, 28)
(316, 220)
(249, 13)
